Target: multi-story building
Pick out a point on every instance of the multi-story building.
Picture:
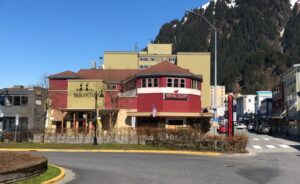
(217, 101)
(197, 62)
(24, 104)
(260, 96)
(291, 88)
(162, 95)
(245, 106)
(278, 111)
(266, 108)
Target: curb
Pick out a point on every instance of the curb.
(57, 178)
(215, 154)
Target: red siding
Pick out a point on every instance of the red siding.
(188, 83)
(110, 99)
(127, 103)
(138, 83)
(58, 99)
(163, 82)
(145, 102)
(195, 103)
(56, 84)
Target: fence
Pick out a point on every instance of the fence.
(176, 139)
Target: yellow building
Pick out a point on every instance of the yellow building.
(196, 62)
(220, 96)
(81, 94)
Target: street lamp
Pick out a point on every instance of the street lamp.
(215, 68)
(97, 94)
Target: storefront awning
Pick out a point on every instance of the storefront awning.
(170, 114)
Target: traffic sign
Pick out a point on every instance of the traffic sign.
(17, 119)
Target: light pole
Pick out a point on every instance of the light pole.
(97, 94)
(215, 68)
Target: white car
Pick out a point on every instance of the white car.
(241, 126)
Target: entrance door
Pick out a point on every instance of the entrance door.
(175, 122)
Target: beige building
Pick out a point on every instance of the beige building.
(220, 96)
(196, 62)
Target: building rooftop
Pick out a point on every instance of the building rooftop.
(166, 68)
(64, 75)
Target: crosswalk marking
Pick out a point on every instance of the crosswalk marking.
(266, 139)
(284, 146)
(270, 146)
(257, 147)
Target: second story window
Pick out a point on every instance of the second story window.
(149, 82)
(195, 84)
(176, 82)
(111, 87)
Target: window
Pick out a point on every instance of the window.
(144, 59)
(2, 100)
(169, 82)
(144, 84)
(176, 82)
(111, 87)
(144, 66)
(150, 82)
(8, 101)
(249, 100)
(182, 83)
(17, 100)
(24, 100)
(195, 85)
(172, 59)
(155, 82)
(152, 59)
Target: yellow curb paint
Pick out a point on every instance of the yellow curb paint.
(118, 151)
(57, 178)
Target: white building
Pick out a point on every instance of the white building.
(245, 105)
(260, 96)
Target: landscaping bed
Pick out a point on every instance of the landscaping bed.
(14, 166)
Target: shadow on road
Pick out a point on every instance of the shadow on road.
(286, 137)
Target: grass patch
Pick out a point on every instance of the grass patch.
(51, 172)
(78, 146)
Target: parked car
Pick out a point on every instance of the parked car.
(23, 135)
(264, 129)
(222, 129)
(241, 126)
(251, 126)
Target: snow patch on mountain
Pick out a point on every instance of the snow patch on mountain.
(282, 32)
(293, 2)
(185, 20)
(231, 4)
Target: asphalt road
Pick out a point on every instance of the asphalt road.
(114, 168)
(272, 163)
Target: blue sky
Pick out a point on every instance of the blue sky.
(51, 36)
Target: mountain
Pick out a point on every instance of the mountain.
(258, 40)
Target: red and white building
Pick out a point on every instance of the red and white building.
(163, 95)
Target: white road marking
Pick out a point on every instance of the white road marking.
(256, 139)
(270, 146)
(257, 147)
(267, 139)
(284, 146)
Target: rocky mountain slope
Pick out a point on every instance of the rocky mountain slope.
(257, 39)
